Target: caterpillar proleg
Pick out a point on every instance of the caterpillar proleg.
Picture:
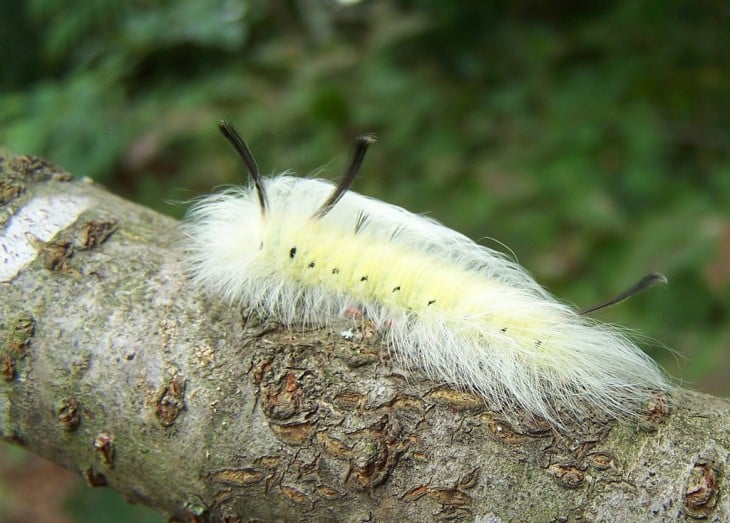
(304, 251)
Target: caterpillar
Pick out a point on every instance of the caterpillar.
(304, 251)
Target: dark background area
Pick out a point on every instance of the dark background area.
(591, 139)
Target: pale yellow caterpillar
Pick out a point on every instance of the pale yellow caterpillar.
(304, 251)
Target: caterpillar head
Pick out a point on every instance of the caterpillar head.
(227, 231)
(225, 235)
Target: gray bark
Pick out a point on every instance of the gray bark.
(113, 365)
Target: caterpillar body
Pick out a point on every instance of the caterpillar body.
(305, 251)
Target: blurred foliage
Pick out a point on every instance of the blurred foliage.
(590, 137)
(106, 506)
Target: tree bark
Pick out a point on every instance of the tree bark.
(113, 365)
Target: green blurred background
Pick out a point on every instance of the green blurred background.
(590, 137)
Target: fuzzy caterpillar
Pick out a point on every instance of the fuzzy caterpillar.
(304, 251)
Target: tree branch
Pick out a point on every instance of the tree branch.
(112, 365)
